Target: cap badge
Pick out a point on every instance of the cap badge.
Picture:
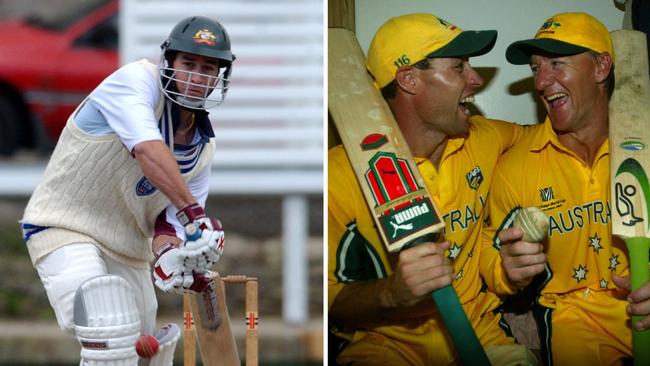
(548, 27)
(205, 36)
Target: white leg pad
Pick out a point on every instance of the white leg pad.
(107, 322)
(167, 337)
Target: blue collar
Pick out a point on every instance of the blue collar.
(200, 118)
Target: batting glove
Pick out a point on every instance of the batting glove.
(171, 276)
(204, 245)
(190, 213)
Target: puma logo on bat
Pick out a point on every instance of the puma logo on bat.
(400, 227)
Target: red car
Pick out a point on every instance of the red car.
(49, 65)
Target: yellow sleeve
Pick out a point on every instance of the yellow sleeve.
(508, 133)
(355, 252)
(337, 217)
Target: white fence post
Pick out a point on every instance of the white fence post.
(295, 289)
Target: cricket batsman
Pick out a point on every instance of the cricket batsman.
(128, 174)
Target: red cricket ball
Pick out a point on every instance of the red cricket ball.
(146, 346)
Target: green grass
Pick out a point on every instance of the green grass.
(11, 240)
(21, 294)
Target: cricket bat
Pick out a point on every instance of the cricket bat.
(216, 344)
(629, 146)
(211, 320)
(393, 188)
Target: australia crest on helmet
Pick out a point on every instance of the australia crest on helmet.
(205, 36)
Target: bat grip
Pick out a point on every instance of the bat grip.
(638, 248)
(460, 329)
(469, 348)
(192, 232)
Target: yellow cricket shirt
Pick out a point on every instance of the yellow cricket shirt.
(540, 171)
(459, 188)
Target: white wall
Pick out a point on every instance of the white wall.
(508, 95)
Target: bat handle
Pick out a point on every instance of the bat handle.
(638, 248)
(460, 329)
(192, 232)
(469, 348)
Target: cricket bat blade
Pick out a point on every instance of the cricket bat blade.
(381, 159)
(216, 342)
(629, 145)
(209, 308)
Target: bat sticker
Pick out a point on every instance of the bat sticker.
(623, 195)
(389, 177)
(373, 141)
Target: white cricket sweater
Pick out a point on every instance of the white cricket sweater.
(93, 190)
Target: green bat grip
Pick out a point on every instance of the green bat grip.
(469, 348)
(638, 248)
(461, 331)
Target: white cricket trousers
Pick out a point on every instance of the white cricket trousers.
(65, 269)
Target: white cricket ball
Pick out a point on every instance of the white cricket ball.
(533, 222)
